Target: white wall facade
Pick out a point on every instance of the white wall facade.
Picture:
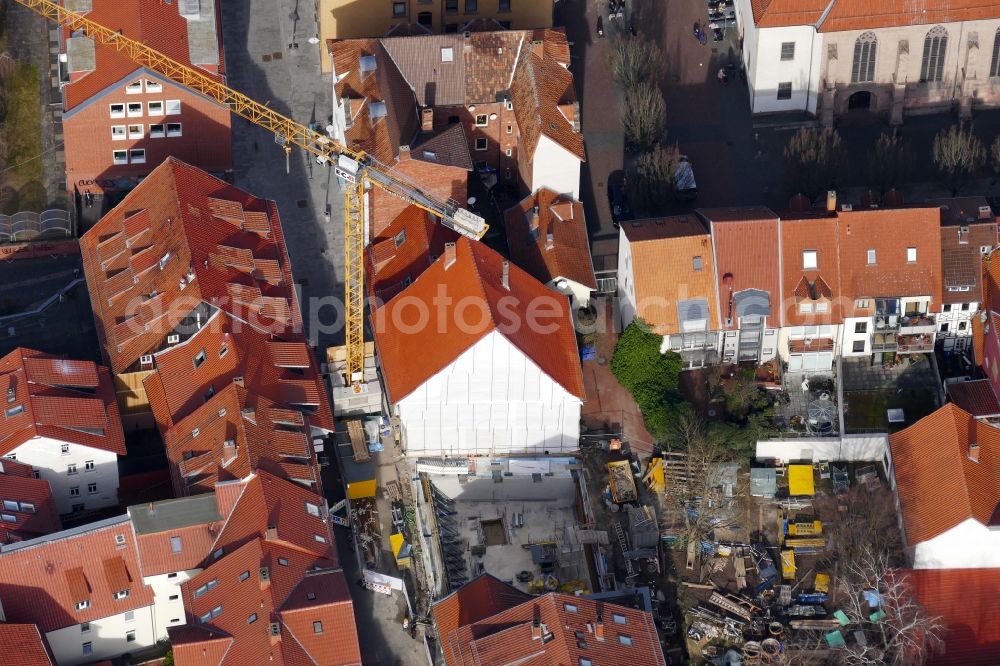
(954, 325)
(626, 280)
(969, 544)
(851, 335)
(492, 399)
(823, 360)
(168, 612)
(556, 168)
(46, 456)
(107, 638)
(767, 70)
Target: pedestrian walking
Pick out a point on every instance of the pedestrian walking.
(722, 76)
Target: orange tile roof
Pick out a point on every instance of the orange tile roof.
(868, 14)
(961, 260)
(937, 484)
(822, 283)
(19, 485)
(155, 24)
(69, 401)
(529, 225)
(173, 219)
(976, 397)
(660, 285)
(198, 645)
(81, 564)
(411, 355)
(477, 600)
(629, 635)
(890, 232)
(965, 601)
(540, 85)
(388, 266)
(780, 13)
(23, 645)
(746, 247)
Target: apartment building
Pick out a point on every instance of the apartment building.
(348, 19)
(193, 293)
(61, 420)
(29, 510)
(835, 58)
(121, 120)
(480, 358)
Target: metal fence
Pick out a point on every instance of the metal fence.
(29, 225)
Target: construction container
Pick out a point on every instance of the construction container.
(788, 564)
(800, 481)
(621, 483)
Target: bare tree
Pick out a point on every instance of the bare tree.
(634, 61)
(813, 161)
(866, 522)
(958, 154)
(995, 155)
(651, 180)
(644, 116)
(695, 500)
(898, 631)
(889, 161)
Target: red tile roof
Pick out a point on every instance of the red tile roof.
(820, 286)
(465, 301)
(780, 13)
(36, 511)
(541, 85)
(477, 600)
(746, 248)
(180, 238)
(975, 397)
(155, 24)
(965, 600)
(937, 484)
(69, 401)
(41, 581)
(868, 14)
(625, 636)
(890, 232)
(389, 268)
(198, 645)
(529, 225)
(23, 645)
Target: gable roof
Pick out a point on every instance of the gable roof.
(448, 147)
(811, 285)
(389, 266)
(35, 514)
(42, 580)
(68, 401)
(937, 484)
(483, 596)
(179, 239)
(155, 24)
(864, 14)
(965, 600)
(23, 645)
(975, 397)
(195, 521)
(781, 13)
(541, 89)
(566, 254)
(412, 355)
(967, 225)
(566, 631)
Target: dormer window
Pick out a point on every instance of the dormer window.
(82, 605)
(121, 594)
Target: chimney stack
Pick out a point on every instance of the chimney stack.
(831, 201)
(404, 153)
(974, 451)
(505, 278)
(550, 240)
(449, 255)
(427, 119)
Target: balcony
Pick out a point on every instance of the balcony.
(917, 324)
(884, 341)
(915, 344)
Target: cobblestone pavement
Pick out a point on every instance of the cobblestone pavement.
(289, 81)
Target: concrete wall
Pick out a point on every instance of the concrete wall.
(769, 70)
(168, 612)
(205, 140)
(969, 544)
(560, 490)
(847, 448)
(491, 399)
(46, 456)
(107, 637)
(554, 167)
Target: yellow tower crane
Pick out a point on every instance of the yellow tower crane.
(359, 170)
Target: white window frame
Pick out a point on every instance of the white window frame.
(911, 255)
(872, 257)
(88, 466)
(134, 88)
(485, 117)
(810, 260)
(157, 133)
(94, 486)
(136, 131)
(170, 109)
(155, 108)
(153, 86)
(133, 114)
(174, 133)
(822, 307)
(119, 132)
(805, 308)
(133, 159)
(312, 509)
(119, 157)
(117, 114)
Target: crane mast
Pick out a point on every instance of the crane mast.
(356, 168)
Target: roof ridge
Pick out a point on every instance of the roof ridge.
(480, 285)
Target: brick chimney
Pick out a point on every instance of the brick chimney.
(449, 255)
(404, 153)
(427, 119)
(831, 201)
(974, 451)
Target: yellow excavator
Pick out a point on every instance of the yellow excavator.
(360, 170)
